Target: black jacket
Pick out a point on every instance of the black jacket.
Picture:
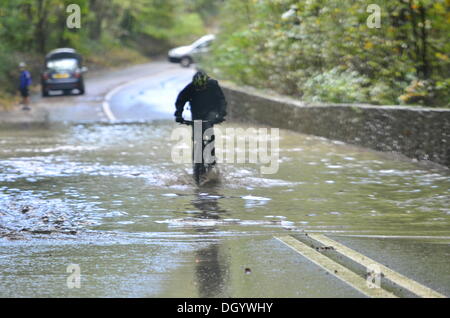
(206, 104)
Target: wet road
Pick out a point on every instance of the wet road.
(106, 196)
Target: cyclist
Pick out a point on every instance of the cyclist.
(208, 106)
(206, 99)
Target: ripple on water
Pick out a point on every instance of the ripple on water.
(192, 222)
(67, 161)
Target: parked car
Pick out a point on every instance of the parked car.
(186, 55)
(63, 71)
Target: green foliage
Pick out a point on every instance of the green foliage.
(7, 66)
(207, 9)
(324, 50)
(31, 28)
(335, 86)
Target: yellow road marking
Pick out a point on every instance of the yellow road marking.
(388, 273)
(335, 269)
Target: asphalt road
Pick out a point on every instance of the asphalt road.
(89, 107)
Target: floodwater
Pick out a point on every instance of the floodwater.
(109, 198)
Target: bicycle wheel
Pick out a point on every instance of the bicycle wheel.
(199, 172)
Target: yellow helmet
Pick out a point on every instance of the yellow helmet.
(200, 80)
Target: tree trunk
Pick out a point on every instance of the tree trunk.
(41, 24)
(95, 29)
(415, 39)
(424, 39)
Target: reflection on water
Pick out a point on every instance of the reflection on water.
(211, 267)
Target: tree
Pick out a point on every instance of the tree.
(325, 50)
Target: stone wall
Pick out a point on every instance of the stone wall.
(420, 133)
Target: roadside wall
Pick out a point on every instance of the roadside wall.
(419, 133)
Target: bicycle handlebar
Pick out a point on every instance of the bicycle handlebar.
(191, 122)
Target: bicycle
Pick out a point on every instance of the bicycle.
(202, 165)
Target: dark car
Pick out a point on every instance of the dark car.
(63, 71)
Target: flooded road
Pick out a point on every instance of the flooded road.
(108, 197)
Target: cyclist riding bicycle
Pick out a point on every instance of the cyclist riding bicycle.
(206, 99)
(208, 107)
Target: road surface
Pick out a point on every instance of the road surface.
(94, 192)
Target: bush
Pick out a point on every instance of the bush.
(336, 86)
(8, 70)
(324, 50)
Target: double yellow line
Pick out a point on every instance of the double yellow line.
(351, 278)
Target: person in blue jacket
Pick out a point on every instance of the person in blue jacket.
(24, 86)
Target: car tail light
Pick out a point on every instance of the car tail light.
(77, 74)
(45, 76)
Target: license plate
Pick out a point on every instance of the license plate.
(62, 75)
